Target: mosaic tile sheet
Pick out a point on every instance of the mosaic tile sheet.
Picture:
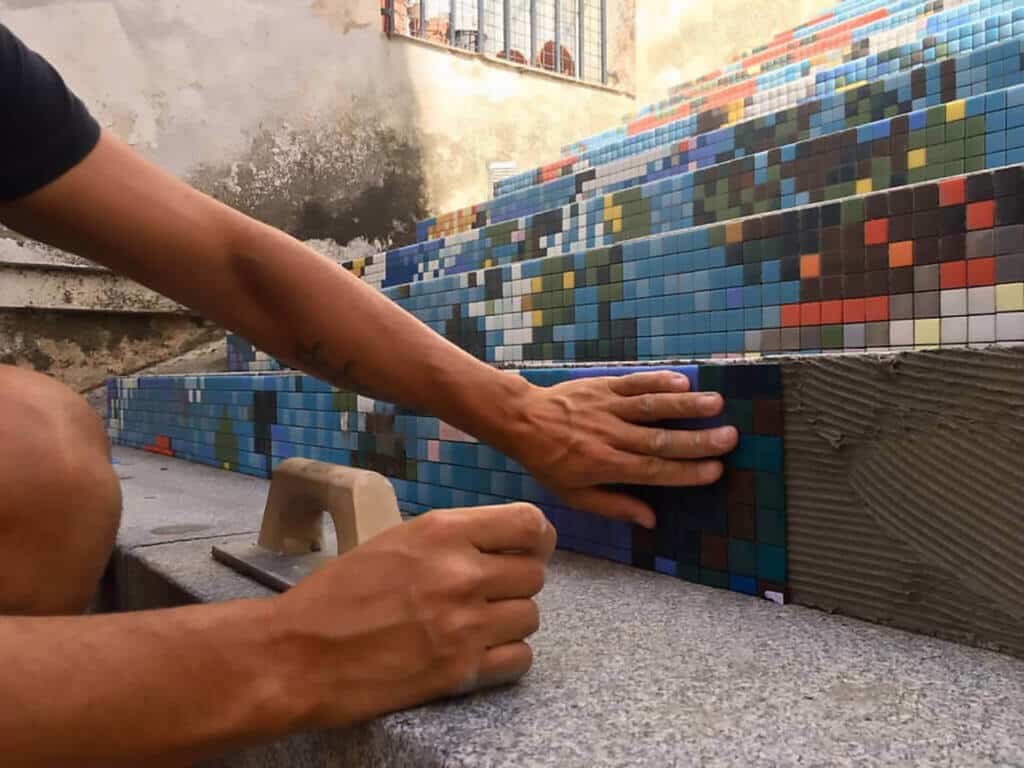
(730, 535)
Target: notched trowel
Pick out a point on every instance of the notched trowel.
(292, 543)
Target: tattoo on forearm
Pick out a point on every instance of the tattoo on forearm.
(313, 359)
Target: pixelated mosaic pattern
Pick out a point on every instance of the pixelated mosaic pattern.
(730, 535)
(940, 263)
(971, 58)
(936, 264)
(917, 34)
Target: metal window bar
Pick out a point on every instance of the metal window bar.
(519, 47)
(480, 26)
(570, 48)
(494, 28)
(564, 36)
(425, 19)
(533, 33)
(591, 47)
(581, 36)
(506, 13)
(544, 33)
(558, 36)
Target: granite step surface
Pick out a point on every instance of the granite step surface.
(632, 668)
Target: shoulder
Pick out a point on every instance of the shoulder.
(45, 129)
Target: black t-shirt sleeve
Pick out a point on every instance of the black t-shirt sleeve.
(45, 130)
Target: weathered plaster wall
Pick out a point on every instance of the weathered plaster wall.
(303, 113)
(678, 40)
(83, 349)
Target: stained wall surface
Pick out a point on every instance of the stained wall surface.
(303, 113)
(678, 40)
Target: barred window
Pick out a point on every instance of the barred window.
(564, 36)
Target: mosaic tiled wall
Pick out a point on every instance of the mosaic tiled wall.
(926, 265)
(981, 132)
(701, 141)
(751, 101)
(730, 535)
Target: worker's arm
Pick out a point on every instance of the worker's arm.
(429, 608)
(117, 209)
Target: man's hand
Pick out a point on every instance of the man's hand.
(581, 435)
(435, 607)
(431, 608)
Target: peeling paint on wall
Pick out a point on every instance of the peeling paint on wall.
(83, 349)
(310, 103)
(350, 180)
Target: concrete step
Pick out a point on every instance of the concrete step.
(80, 322)
(632, 668)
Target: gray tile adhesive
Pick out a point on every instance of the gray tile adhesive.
(905, 486)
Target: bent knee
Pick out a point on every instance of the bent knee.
(62, 501)
(41, 413)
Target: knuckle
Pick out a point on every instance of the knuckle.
(652, 467)
(698, 442)
(535, 576)
(648, 405)
(458, 673)
(531, 520)
(532, 618)
(660, 440)
(685, 405)
(440, 524)
(463, 578)
(459, 626)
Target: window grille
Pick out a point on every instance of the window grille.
(564, 36)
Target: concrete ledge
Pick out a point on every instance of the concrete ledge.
(69, 287)
(632, 668)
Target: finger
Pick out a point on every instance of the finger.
(504, 664)
(517, 527)
(650, 407)
(512, 576)
(636, 469)
(644, 383)
(677, 443)
(613, 505)
(509, 621)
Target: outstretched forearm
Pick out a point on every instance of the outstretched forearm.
(144, 688)
(121, 211)
(326, 321)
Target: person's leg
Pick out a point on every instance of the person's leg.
(60, 501)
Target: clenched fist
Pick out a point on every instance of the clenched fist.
(437, 606)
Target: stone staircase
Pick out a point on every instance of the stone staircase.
(854, 186)
(80, 322)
